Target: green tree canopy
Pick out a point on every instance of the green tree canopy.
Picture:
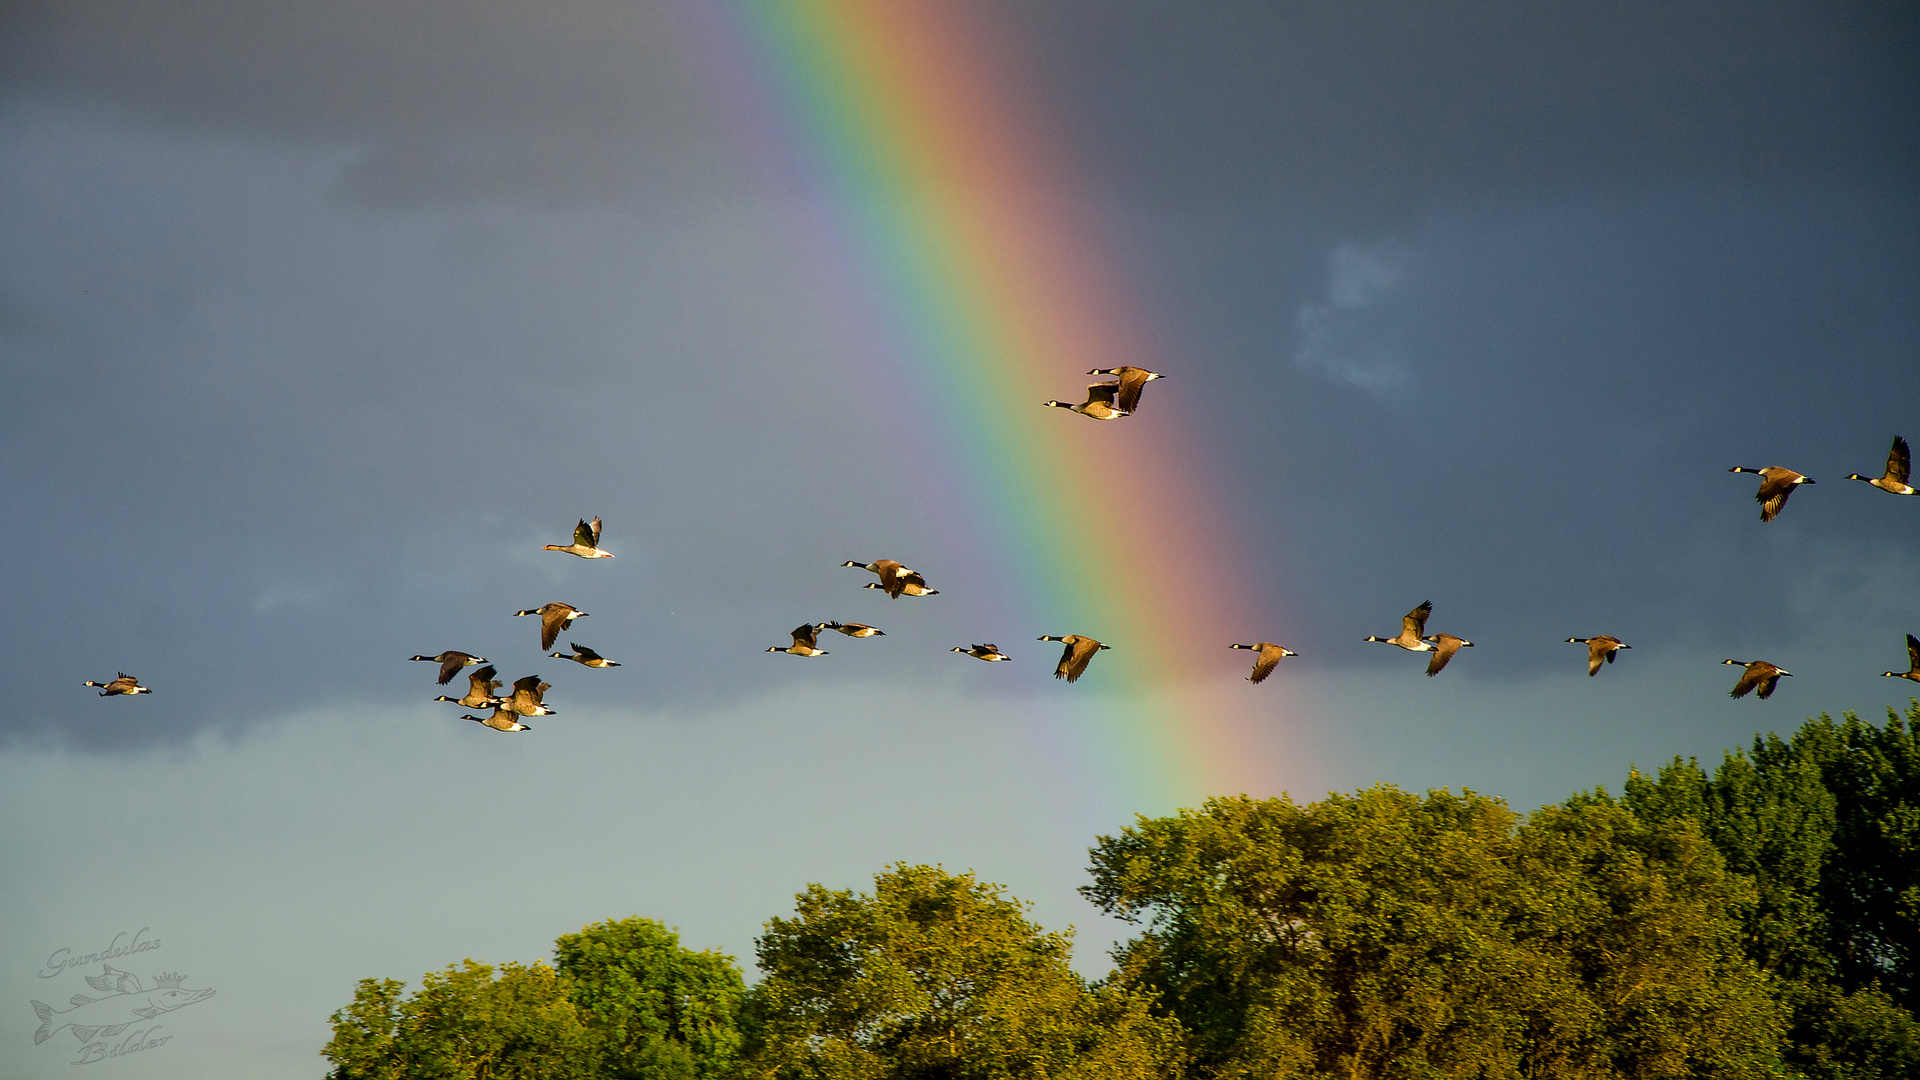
(464, 1024)
(1387, 935)
(1826, 825)
(658, 1011)
(625, 1003)
(937, 975)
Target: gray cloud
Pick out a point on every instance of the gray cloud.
(318, 322)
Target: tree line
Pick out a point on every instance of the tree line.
(1758, 920)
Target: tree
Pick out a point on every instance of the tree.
(464, 1024)
(625, 1002)
(1826, 826)
(1386, 935)
(937, 975)
(657, 1011)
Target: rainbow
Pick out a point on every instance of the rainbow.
(889, 123)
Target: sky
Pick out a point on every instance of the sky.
(317, 322)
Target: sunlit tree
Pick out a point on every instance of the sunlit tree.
(938, 975)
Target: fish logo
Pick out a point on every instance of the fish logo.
(124, 1001)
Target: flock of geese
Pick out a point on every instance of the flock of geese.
(1110, 400)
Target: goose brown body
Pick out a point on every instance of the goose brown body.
(554, 618)
(450, 663)
(584, 656)
(988, 652)
(501, 720)
(895, 580)
(1776, 484)
(1899, 471)
(481, 685)
(1077, 655)
(1413, 630)
(1444, 646)
(528, 697)
(1913, 662)
(805, 642)
(1759, 675)
(1269, 658)
(1130, 382)
(1599, 650)
(1100, 403)
(125, 684)
(586, 541)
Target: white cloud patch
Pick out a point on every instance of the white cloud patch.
(1341, 337)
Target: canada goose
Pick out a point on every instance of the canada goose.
(125, 684)
(1413, 630)
(528, 697)
(1132, 381)
(585, 656)
(1444, 646)
(501, 720)
(554, 618)
(1776, 484)
(1599, 650)
(1759, 673)
(887, 569)
(984, 652)
(481, 685)
(895, 579)
(1268, 659)
(1913, 662)
(450, 663)
(804, 642)
(1077, 655)
(914, 586)
(1899, 471)
(1099, 404)
(852, 629)
(586, 542)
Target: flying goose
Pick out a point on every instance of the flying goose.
(886, 568)
(585, 656)
(983, 652)
(1759, 673)
(586, 542)
(528, 697)
(450, 663)
(554, 618)
(1899, 471)
(913, 586)
(1599, 650)
(1413, 630)
(501, 720)
(125, 684)
(852, 629)
(1913, 662)
(804, 642)
(895, 579)
(1776, 484)
(1444, 646)
(481, 685)
(1132, 381)
(1099, 404)
(1077, 655)
(1268, 659)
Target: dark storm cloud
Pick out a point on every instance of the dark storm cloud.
(1486, 297)
(317, 320)
(441, 101)
(345, 69)
(1373, 109)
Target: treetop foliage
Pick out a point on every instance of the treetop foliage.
(1759, 920)
(1389, 935)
